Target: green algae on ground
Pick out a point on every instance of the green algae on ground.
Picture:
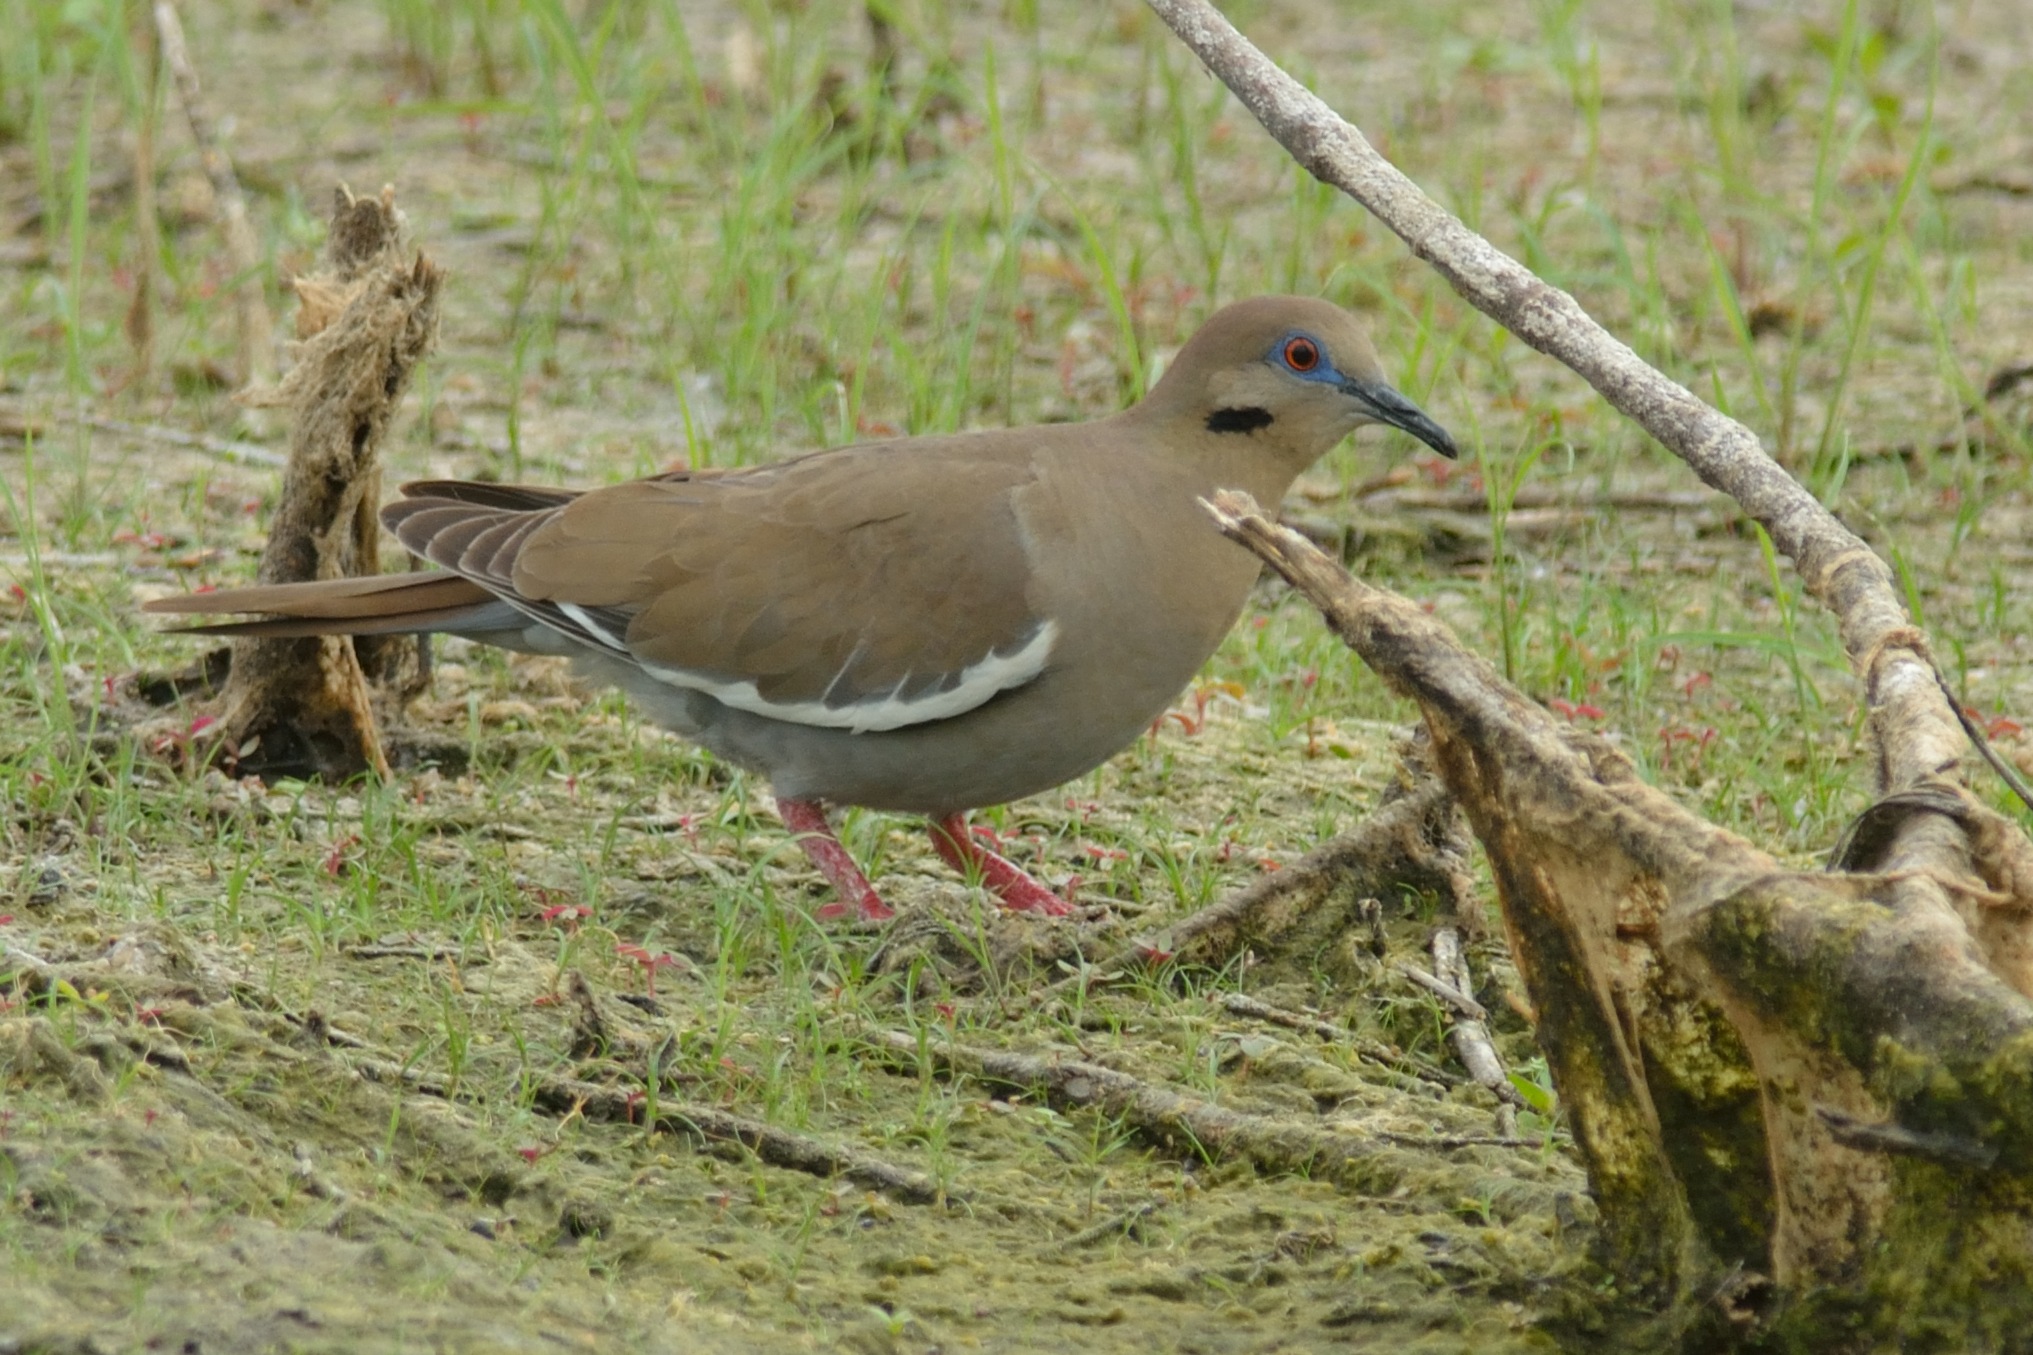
(189, 1155)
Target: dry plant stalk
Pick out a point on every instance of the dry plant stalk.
(1805, 1101)
(257, 332)
(302, 707)
(140, 321)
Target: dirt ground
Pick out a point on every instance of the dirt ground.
(407, 1066)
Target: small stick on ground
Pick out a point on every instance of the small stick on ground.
(1534, 496)
(379, 951)
(1447, 1142)
(18, 425)
(778, 1147)
(1124, 1224)
(147, 222)
(257, 332)
(1468, 1034)
(1462, 1003)
(1400, 1065)
(230, 450)
(1180, 1122)
(1241, 1004)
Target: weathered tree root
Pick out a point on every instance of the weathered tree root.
(302, 707)
(1182, 1123)
(1823, 1079)
(1410, 841)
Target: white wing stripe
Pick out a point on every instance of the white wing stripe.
(592, 627)
(872, 714)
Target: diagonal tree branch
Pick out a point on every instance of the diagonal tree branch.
(1918, 733)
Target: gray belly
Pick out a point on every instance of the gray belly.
(1020, 743)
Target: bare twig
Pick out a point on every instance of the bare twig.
(230, 450)
(1241, 1004)
(17, 424)
(1124, 1224)
(1470, 1036)
(413, 951)
(1444, 1142)
(147, 223)
(257, 331)
(1462, 1003)
(1393, 494)
(777, 1146)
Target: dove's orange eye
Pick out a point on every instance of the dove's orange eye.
(1302, 354)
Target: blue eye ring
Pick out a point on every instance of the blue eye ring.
(1301, 353)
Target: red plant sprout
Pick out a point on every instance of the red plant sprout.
(650, 963)
(180, 741)
(335, 862)
(572, 913)
(1203, 694)
(1697, 741)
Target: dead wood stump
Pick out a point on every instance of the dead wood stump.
(1805, 1100)
(305, 707)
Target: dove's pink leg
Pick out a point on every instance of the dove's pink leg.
(1007, 880)
(807, 819)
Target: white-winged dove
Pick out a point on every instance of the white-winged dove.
(925, 625)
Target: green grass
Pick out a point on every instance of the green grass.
(721, 236)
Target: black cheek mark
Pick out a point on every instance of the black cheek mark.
(1238, 420)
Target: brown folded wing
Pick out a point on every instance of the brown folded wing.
(809, 585)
